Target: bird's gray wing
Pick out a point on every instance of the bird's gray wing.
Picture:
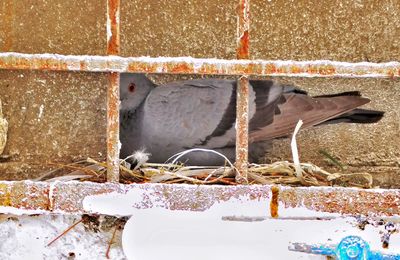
(313, 111)
(267, 96)
(186, 114)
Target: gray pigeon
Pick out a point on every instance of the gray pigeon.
(201, 113)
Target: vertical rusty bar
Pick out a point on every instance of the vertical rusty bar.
(242, 106)
(242, 133)
(113, 48)
(243, 27)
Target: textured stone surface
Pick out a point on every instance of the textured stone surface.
(178, 28)
(344, 30)
(53, 26)
(53, 117)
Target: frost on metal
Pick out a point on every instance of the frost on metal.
(189, 65)
(119, 199)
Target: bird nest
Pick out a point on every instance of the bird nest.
(282, 172)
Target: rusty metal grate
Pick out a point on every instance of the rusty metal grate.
(242, 66)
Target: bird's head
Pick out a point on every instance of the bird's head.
(134, 88)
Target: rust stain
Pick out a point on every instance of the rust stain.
(296, 70)
(270, 69)
(180, 68)
(252, 68)
(391, 74)
(274, 204)
(243, 46)
(312, 70)
(208, 69)
(113, 44)
(243, 42)
(327, 70)
(143, 67)
(82, 66)
(7, 25)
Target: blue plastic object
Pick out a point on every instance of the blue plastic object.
(349, 248)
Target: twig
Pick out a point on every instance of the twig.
(123, 168)
(48, 173)
(331, 159)
(79, 168)
(111, 242)
(64, 232)
(179, 155)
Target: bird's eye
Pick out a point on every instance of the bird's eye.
(132, 87)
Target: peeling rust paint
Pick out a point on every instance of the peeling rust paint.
(274, 205)
(188, 65)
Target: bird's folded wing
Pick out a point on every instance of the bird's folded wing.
(312, 111)
(191, 113)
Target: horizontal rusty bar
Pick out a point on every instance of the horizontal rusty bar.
(188, 65)
(27, 197)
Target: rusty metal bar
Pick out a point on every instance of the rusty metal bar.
(113, 128)
(27, 197)
(113, 21)
(188, 65)
(242, 106)
(242, 129)
(243, 28)
(113, 48)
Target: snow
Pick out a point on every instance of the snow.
(157, 232)
(121, 64)
(26, 237)
(162, 234)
